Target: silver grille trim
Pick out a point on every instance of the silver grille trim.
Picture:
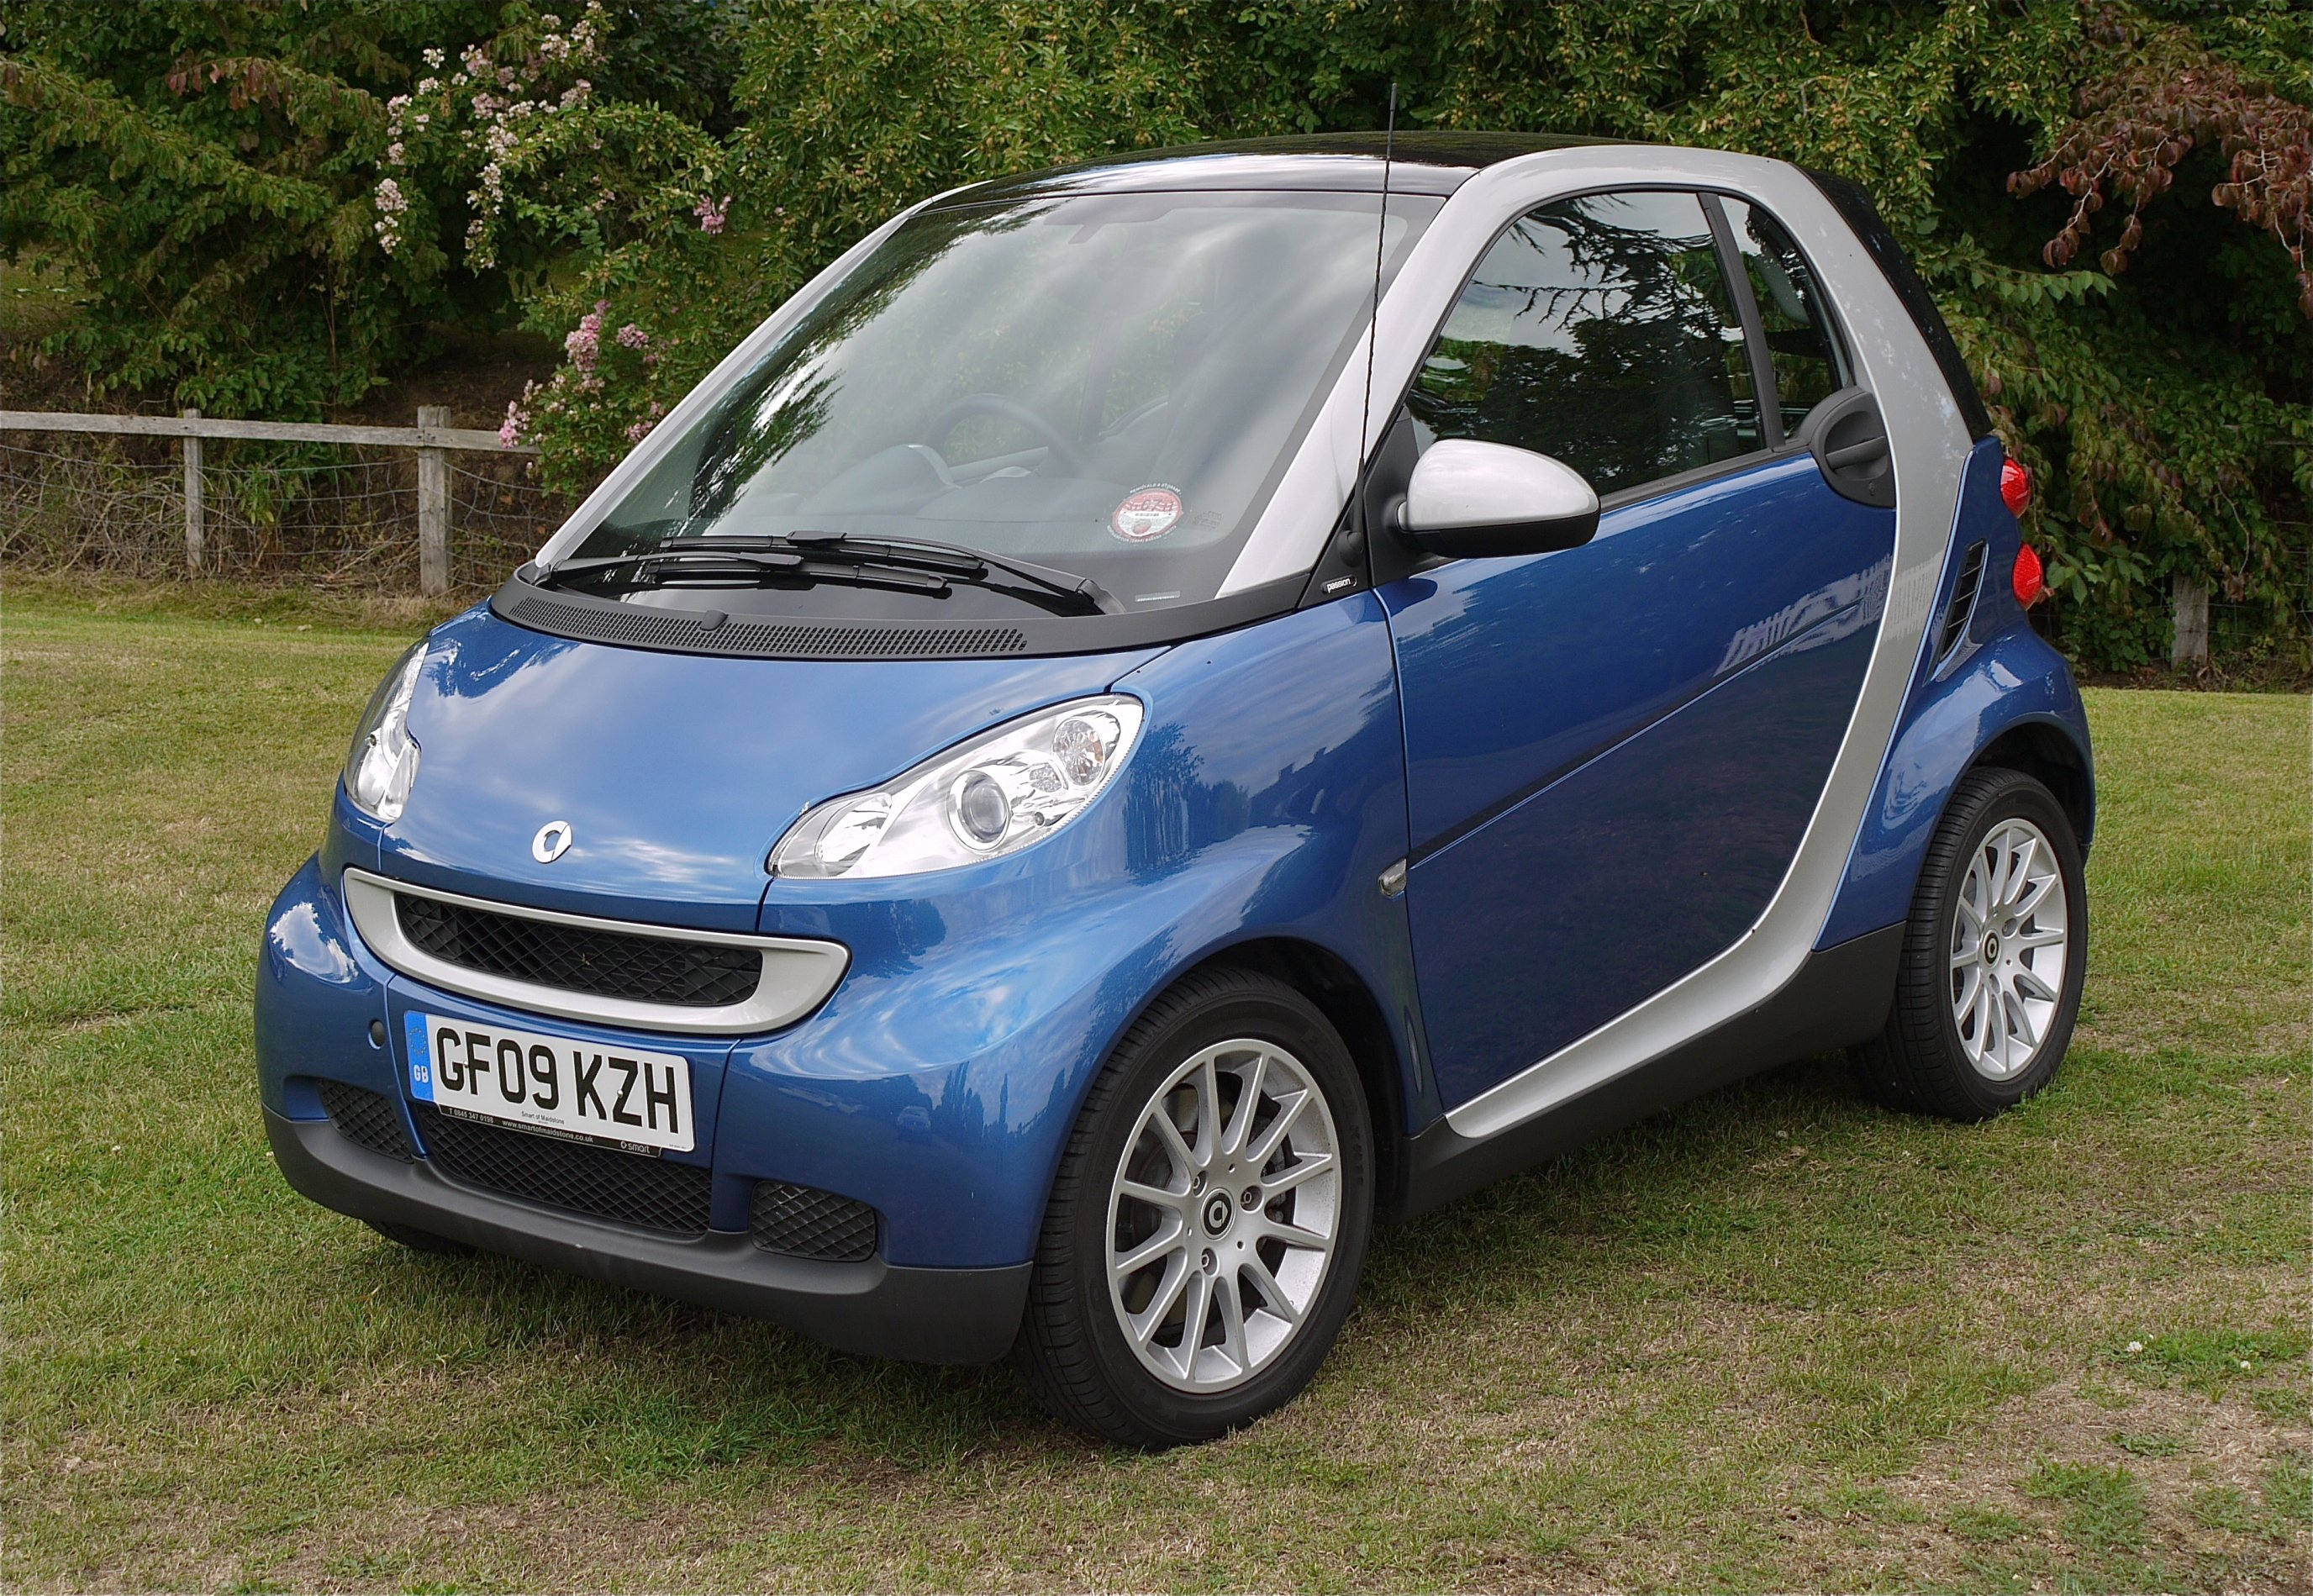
(798, 973)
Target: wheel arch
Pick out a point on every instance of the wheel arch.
(1349, 1004)
(2012, 704)
(2044, 751)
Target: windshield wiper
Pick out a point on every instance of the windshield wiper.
(955, 559)
(808, 554)
(752, 562)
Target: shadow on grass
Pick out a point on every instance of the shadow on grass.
(663, 1390)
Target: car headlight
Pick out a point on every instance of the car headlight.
(988, 797)
(382, 762)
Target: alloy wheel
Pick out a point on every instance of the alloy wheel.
(1223, 1214)
(2009, 940)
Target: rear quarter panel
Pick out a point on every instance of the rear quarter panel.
(1999, 677)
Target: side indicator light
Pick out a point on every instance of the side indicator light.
(2015, 487)
(2029, 578)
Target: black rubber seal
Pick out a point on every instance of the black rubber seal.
(587, 618)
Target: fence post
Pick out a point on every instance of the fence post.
(433, 507)
(2191, 599)
(196, 522)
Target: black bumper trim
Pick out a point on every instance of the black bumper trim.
(930, 1316)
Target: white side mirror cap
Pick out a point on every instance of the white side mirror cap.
(1474, 499)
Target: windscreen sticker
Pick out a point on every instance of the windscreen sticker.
(1146, 513)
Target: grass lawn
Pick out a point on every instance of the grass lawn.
(1776, 1340)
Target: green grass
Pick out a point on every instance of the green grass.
(1775, 1340)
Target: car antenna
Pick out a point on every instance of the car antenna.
(1373, 327)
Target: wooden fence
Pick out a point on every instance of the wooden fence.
(433, 439)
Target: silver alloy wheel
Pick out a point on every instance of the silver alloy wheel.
(2009, 945)
(1222, 1216)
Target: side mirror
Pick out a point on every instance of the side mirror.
(1475, 500)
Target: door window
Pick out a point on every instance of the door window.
(1600, 331)
(1800, 346)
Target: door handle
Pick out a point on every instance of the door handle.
(1849, 441)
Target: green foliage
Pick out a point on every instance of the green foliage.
(210, 175)
(723, 155)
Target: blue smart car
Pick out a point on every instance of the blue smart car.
(1159, 713)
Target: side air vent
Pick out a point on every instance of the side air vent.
(366, 1119)
(1963, 602)
(804, 1222)
(672, 631)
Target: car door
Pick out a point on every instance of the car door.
(1613, 750)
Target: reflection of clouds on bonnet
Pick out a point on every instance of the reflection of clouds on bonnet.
(1848, 605)
(658, 862)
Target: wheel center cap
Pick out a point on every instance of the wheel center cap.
(1991, 950)
(1219, 1211)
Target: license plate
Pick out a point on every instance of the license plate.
(584, 1091)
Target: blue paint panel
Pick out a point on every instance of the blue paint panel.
(676, 772)
(940, 1081)
(1596, 893)
(1613, 751)
(1513, 671)
(318, 993)
(1999, 677)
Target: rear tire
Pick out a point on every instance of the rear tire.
(1207, 1222)
(419, 1241)
(1993, 956)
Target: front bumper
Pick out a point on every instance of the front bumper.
(926, 1315)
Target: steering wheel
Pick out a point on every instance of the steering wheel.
(996, 404)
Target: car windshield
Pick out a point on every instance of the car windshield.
(1106, 386)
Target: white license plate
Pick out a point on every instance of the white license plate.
(621, 1095)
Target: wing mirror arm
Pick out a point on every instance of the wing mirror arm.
(1472, 500)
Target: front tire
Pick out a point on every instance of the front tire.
(1208, 1219)
(1993, 958)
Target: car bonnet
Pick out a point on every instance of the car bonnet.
(674, 773)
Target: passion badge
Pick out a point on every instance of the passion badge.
(1146, 513)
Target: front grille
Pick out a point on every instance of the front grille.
(579, 959)
(365, 1119)
(804, 1222)
(625, 1186)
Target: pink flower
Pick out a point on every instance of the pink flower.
(711, 215)
(638, 432)
(510, 429)
(584, 342)
(631, 336)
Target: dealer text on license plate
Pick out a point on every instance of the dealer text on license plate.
(552, 1083)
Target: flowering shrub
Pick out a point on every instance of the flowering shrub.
(471, 121)
(266, 223)
(267, 208)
